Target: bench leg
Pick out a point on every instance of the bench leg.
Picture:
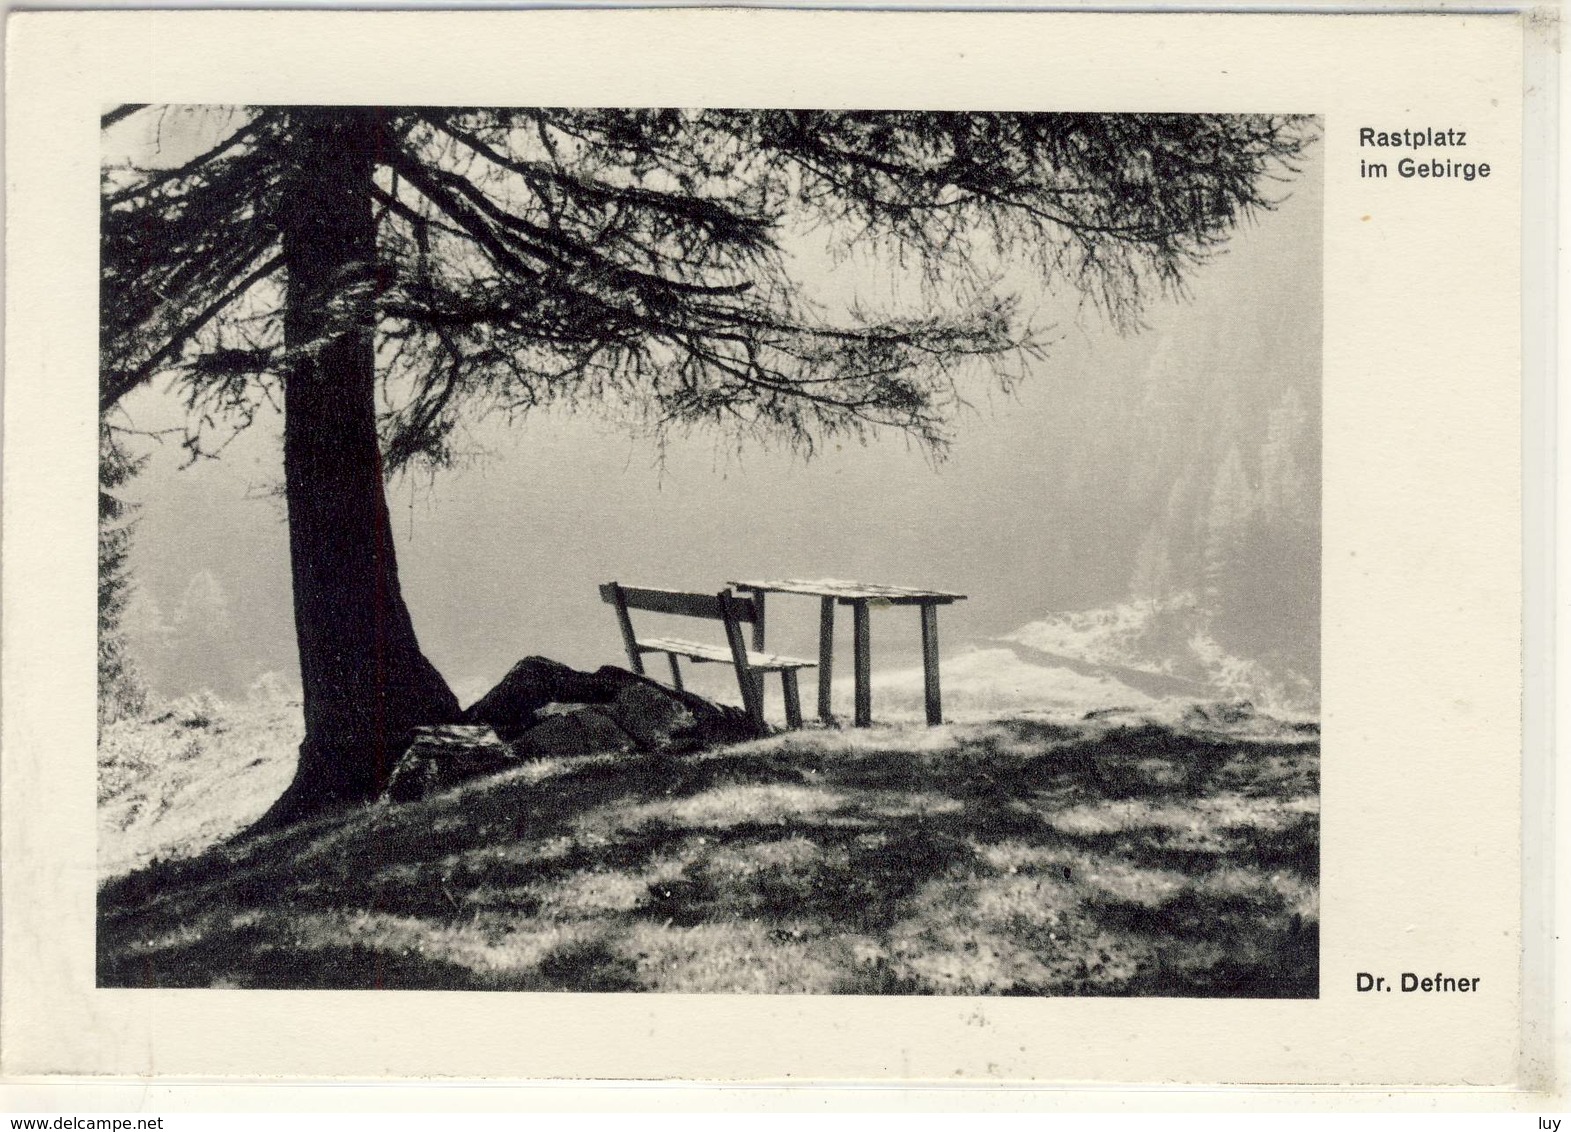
(758, 646)
(755, 712)
(935, 706)
(676, 672)
(753, 700)
(635, 660)
(793, 700)
(862, 660)
(826, 657)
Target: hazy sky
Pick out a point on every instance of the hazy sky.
(1040, 506)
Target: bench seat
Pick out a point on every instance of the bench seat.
(751, 665)
(693, 650)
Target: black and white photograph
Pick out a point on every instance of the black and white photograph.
(835, 552)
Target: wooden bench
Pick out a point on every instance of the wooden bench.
(726, 607)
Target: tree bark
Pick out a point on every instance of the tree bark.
(366, 683)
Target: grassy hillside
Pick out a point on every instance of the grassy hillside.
(1121, 854)
(195, 772)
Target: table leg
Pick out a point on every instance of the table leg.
(935, 708)
(826, 657)
(863, 663)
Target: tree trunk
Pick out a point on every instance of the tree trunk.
(365, 680)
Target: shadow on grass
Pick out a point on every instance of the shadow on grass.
(877, 865)
(256, 953)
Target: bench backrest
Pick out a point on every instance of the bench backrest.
(680, 604)
(724, 606)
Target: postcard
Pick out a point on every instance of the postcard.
(767, 546)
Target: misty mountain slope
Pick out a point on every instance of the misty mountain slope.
(1169, 647)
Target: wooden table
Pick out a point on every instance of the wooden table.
(859, 596)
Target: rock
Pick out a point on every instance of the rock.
(510, 707)
(655, 720)
(588, 731)
(543, 709)
(651, 712)
(713, 724)
(684, 722)
(442, 757)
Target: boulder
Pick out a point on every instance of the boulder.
(664, 719)
(441, 757)
(658, 717)
(543, 709)
(643, 716)
(656, 720)
(510, 708)
(587, 730)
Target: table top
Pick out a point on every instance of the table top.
(848, 591)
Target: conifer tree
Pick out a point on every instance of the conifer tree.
(121, 692)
